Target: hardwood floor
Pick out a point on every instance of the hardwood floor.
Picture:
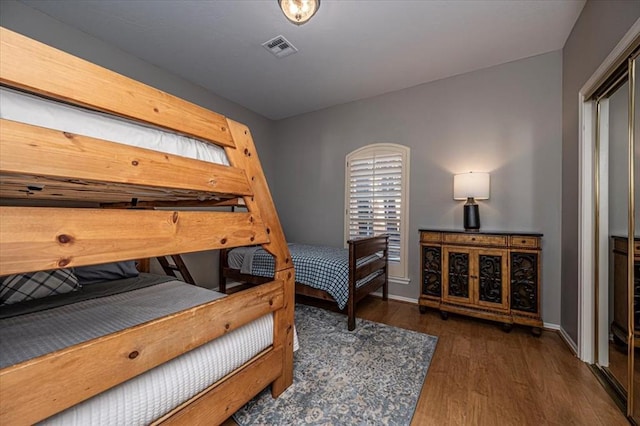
(480, 375)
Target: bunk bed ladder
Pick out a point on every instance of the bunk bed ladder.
(178, 265)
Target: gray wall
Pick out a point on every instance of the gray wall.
(25, 20)
(599, 28)
(505, 120)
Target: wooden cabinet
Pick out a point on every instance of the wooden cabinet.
(494, 276)
(620, 324)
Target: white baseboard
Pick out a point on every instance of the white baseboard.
(551, 326)
(569, 341)
(563, 335)
(398, 280)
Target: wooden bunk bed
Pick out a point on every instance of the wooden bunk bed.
(42, 171)
(366, 260)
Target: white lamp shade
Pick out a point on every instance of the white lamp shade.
(472, 184)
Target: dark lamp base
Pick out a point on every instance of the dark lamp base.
(471, 216)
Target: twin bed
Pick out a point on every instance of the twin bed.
(341, 276)
(146, 350)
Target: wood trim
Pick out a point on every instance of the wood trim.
(86, 369)
(39, 238)
(33, 66)
(37, 151)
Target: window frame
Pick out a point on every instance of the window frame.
(398, 271)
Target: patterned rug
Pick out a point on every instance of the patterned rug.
(370, 376)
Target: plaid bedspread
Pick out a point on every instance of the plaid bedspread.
(324, 268)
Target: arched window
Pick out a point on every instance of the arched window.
(376, 199)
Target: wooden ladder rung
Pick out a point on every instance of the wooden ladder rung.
(178, 265)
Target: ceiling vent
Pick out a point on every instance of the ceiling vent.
(280, 46)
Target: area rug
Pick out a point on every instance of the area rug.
(370, 376)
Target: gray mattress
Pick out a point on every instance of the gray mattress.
(35, 329)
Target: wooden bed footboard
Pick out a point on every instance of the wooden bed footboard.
(358, 249)
(46, 174)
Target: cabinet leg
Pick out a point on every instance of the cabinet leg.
(423, 309)
(536, 331)
(444, 315)
(507, 327)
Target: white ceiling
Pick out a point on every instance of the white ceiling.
(351, 49)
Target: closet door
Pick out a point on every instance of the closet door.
(613, 233)
(634, 224)
(617, 256)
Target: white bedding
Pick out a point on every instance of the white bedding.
(24, 108)
(107, 307)
(154, 393)
(95, 310)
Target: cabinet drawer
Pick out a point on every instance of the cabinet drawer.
(523, 241)
(430, 237)
(480, 240)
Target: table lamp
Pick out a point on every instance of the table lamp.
(471, 186)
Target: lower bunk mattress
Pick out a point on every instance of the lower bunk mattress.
(29, 331)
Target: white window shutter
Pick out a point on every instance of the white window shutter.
(375, 196)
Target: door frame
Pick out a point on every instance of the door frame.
(586, 199)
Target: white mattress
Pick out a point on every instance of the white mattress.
(24, 108)
(154, 393)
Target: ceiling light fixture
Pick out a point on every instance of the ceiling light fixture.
(299, 11)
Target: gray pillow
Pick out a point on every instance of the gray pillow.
(35, 285)
(94, 274)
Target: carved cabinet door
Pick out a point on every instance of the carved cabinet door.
(431, 271)
(476, 276)
(491, 279)
(524, 286)
(456, 275)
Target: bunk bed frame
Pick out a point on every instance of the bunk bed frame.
(81, 169)
(358, 249)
